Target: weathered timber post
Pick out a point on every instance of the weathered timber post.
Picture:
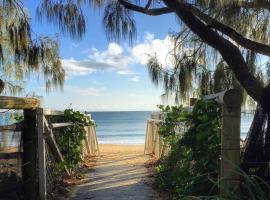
(29, 137)
(230, 102)
(41, 155)
(29, 161)
(230, 141)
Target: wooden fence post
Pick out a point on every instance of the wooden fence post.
(230, 142)
(41, 154)
(29, 160)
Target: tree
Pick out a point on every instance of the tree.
(219, 40)
(234, 29)
(22, 54)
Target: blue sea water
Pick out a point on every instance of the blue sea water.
(130, 127)
(8, 139)
(116, 127)
(121, 127)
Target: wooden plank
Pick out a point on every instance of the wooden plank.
(18, 103)
(41, 155)
(96, 140)
(230, 142)
(60, 125)
(217, 97)
(29, 161)
(52, 112)
(11, 127)
(146, 138)
(53, 145)
(87, 138)
(10, 155)
(155, 120)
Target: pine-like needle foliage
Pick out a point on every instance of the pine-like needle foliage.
(196, 68)
(21, 54)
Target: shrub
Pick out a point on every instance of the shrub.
(192, 166)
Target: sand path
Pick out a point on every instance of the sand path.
(118, 174)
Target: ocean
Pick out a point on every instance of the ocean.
(115, 127)
(130, 127)
(121, 127)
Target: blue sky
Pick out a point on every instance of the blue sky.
(103, 75)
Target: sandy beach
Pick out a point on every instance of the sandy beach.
(120, 149)
(119, 172)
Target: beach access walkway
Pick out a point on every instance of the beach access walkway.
(117, 174)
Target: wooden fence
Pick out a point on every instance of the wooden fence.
(39, 146)
(154, 143)
(230, 102)
(46, 140)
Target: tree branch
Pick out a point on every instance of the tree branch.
(230, 53)
(230, 32)
(147, 11)
(148, 4)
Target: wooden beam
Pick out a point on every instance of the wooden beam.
(29, 161)
(230, 142)
(9, 155)
(52, 112)
(18, 103)
(60, 125)
(53, 145)
(217, 97)
(225, 96)
(41, 155)
(11, 127)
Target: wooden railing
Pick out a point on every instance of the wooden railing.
(46, 136)
(38, 135)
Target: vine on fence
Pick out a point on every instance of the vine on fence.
(192, 166)
(71, 140)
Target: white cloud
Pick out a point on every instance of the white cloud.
(150, 47)
(135, 79)
(89, 91)
(126, 72)
(73, 67)
(119, 59)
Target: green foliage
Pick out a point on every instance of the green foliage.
(21, 53)
(192, 165)
(67, 16)
(18, 118)
(70, 141)
(191, 169)
(173, 116)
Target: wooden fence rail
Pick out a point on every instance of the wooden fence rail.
(37, 135)
(46, 135)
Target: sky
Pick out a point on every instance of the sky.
(102, 75)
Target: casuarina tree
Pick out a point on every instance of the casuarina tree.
(23, 53)
(217, 47)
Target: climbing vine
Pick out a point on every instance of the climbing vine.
(70, 141)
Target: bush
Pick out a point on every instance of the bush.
(192, 166)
